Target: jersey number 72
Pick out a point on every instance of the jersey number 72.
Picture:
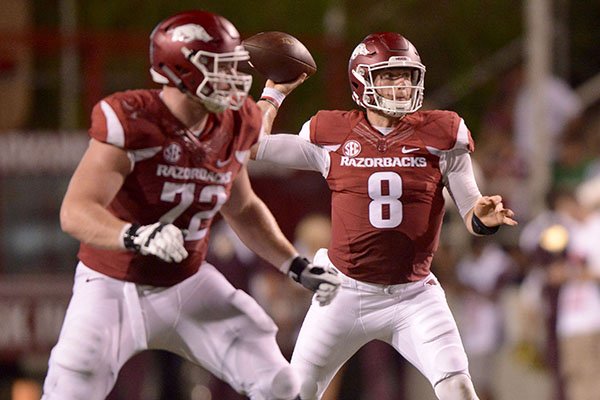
(208, 194)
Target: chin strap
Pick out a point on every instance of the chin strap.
(174, 78)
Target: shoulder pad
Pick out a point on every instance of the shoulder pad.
(332, 127)
(444, 130)
(127, 120)
(250, 121)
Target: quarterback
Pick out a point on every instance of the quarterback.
(386, 165)
(160, 165)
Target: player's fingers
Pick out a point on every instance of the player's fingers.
(325, 294)
(326, 288)
(323, 300)
(496, 199)
(287, 87)
(485, 203)
(510, 221)
(162, 254)
(302, 77)
(507, 217)
(484, 200)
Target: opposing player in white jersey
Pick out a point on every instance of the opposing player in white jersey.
(386, 166)
(160, 165)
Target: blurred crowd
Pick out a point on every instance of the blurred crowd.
(536, 291)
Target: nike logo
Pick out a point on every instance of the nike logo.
(93, 279)
(407, 151)
(221, 164)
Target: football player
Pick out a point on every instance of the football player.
(160, 165)
(386, 165)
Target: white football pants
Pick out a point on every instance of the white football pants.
(204, 319)
(414, 318)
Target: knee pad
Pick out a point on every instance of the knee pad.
(456, 387)
(79, 367)
(451, 360)
(308, 390)
(285, 384)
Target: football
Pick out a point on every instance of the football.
(279, 56)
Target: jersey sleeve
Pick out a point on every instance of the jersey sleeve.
(292, 151)
(459, 179)
(464, 140)
(106, 126)
(305, 131)
(127, 120)
(455, 161)
(445, 131)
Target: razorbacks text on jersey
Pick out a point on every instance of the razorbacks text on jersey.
(387, 204)
(173, 179)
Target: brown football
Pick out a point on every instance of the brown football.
(279, 56)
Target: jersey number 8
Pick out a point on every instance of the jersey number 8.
(385, 190)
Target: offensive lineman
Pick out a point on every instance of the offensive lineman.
(386, 167)
(160, 165)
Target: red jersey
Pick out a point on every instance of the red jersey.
(173, 180)
(387, 204)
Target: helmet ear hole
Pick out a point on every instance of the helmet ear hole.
(182, 70)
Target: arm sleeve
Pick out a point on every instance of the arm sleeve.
(292, 151)
(305, 131)
(460, 180)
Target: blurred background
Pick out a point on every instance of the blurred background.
(525, 76)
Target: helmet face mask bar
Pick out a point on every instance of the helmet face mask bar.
(385, 51)
(223, 86)
(199, 52)
(394, 106)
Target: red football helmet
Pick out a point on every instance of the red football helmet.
(198, 52)
(383, 51)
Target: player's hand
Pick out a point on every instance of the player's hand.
(322, 280)
(286, 87)
(491, 212)
(164, 241)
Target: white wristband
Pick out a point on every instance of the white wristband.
(273, 95)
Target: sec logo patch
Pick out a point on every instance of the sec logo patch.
(352, 148)
(172, 153)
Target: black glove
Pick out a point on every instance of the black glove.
(322, 280)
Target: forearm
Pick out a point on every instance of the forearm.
(269, 112)
(92, 224)
(257, 228)
(270, 100)
(468, 219)
(461, 184)
(95, 183)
